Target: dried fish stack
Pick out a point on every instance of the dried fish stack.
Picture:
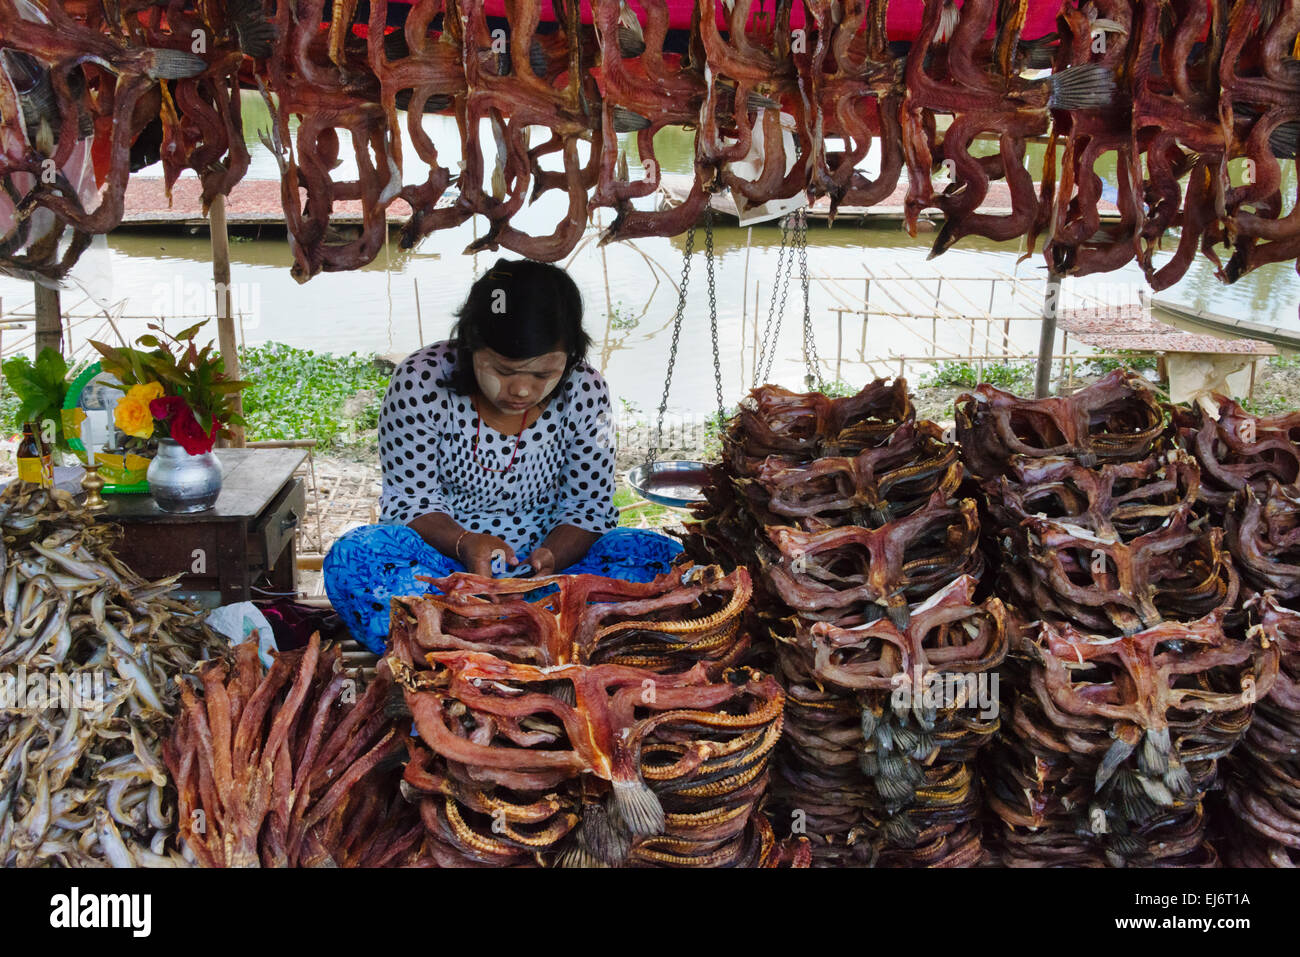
(1239, 451)
(603, 726)
(1259, 815)
(1260, 819)
(1250, 465)
(1138, 669)
(88, 651)
(294, 767)
(866, 566)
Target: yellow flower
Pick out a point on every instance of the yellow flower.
(146, 393)
(133, 417)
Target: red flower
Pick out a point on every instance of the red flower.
(163, 409)
(187, 431)
(182, 424)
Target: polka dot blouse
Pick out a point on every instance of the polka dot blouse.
(563, 473)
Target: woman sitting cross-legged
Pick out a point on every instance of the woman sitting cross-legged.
(497, 449)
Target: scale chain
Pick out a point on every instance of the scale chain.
(811, 360)
(763, 369)
(713, 310)
(653, 452)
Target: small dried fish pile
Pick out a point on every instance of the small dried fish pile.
(1138, 670)
(604, 725)
(866, 565)
(87, 653)
(293, 767)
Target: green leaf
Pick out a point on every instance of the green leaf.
(105, 350)
(189, 333)
(161, 369)
(149, 341)
(51, 366)
(230, 386)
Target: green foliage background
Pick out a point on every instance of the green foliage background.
(299, 394)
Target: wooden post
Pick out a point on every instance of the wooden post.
(1047, 336)
(225, 321)
(49, 320)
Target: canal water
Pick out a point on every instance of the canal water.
(629, 291)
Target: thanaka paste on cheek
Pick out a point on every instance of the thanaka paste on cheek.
(490, 385)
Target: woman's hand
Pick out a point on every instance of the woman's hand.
(476, 550)
(543, 562)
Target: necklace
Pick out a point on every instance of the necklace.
(478, 437)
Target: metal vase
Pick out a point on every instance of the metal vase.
(181, 482)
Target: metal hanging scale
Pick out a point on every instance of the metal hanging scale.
(679, 484)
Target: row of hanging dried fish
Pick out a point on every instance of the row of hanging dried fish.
(1167, 90)
(87, 98)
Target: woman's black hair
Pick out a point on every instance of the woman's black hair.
(520, 309)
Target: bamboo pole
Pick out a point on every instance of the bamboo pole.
(866, 306)
(609, 303)
(839, 343)
(934, 321)
(225, 321)
(744, 286)
(419, 320)
(49, 320)
(1047, 336)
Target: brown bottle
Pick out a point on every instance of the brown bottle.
(31, 460)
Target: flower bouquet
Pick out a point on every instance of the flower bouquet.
(177, 397)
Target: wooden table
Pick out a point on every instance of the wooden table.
(221, 552)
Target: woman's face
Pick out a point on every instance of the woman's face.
(513, 386)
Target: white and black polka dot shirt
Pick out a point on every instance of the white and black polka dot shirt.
(563, 473)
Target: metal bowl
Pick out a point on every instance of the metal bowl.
(675, 484)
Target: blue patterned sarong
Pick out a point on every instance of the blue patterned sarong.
(375, 563)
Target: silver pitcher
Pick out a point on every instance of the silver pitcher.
(181, 482)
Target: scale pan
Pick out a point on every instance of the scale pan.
(675, 484)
